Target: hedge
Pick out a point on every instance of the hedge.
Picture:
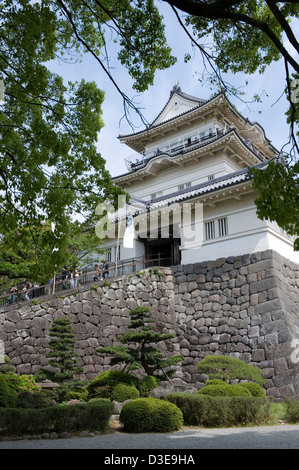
(70, 418)
(150, 415)
(208, 411)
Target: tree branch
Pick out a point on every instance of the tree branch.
(89, 49)
(283, 22)
(214, 11)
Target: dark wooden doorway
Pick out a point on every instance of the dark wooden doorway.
(162, 252)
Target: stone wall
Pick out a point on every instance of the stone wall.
(245, 306)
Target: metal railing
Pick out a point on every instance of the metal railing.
(88, 276)
(138, 161)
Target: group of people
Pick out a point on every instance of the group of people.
(101, 273)
(28, 290)
(70, 279)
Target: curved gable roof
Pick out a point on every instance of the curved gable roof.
(178, 103)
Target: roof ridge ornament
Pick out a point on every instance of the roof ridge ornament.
(176, 89)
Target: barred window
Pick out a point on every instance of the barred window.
(157, 194)
(184, 186)
(210, 230)
(222, 227)
(108, 255)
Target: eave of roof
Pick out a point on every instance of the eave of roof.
(177, 90)
(202, 189)
(232, 132)
(202, 103)
(168, 121)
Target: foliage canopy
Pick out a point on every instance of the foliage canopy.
(50, 169)
(142, 352)
(62, 354)
(229, 368)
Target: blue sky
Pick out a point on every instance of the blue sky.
(269, 113)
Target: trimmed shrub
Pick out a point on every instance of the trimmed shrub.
(72, 418)
(8, 396)
(98, 401)
(216, 382)
(102, 386)
(292, 410)
(208, 411)
(239, 391)
(77, 395)
(255, 389)
(229, 368)
(147, 384)
(122, 392)
(225, 390)
(151, 415)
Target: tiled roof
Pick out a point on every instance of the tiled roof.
(176, 89)
(203, 188)
(155, 126)
(190, 149)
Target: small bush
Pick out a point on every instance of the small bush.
(208, 411)
(292, 410)
(122, 392)
(229, 368)
(239, 391)
(225, 390)
(8, 396)
(151, 415)
(98, 401)
(255, 389)
(103, 385)
(77, 395)
(23, 383)
(147, 384)
(216, 382)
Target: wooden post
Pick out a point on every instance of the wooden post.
(117, 245)
(54, 280)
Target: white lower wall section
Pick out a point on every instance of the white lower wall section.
(240, 244)
(135, 252)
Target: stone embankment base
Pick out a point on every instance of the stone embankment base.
(245, 306)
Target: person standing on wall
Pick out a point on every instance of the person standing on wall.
(13, 293)
(77, 275)
(105, 270)
(71, 279)
(97, 273)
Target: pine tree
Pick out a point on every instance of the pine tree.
(229, 369)
(62, 350)
(143, 352)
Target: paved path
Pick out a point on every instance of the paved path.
(264, 437)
